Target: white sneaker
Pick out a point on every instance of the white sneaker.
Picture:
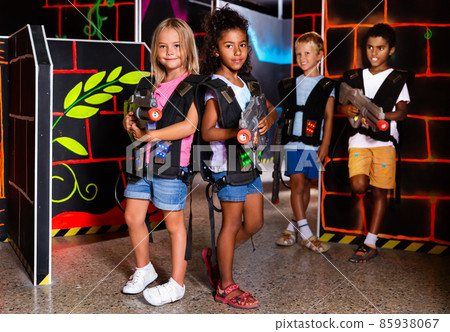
(163, 294)
(139, 280)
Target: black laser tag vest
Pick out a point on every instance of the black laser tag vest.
(312, 112)
(386, 97)
(175, 110)
(229, 115)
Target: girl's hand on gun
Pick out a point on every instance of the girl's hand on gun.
(128, 122)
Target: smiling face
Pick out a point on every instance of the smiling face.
(308, 57)
(378, 52)
(169, 52)
(232, 50)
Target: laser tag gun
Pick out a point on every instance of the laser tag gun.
(145, 109)
(373, 113)
(248, 124)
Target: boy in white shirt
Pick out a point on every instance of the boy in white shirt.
(372, 155)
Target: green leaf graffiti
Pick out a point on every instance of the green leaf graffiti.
(94, 80)
(82, 112)
(73, 95)
(95, 93)
(113, 89)
(72, 145)
(96, 27)
(114, 74)
(98, 98)
(76, 187)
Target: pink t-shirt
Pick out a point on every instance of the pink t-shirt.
(162, 94)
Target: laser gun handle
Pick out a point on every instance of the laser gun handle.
(346, 95)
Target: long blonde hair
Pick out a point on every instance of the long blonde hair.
(187, 46)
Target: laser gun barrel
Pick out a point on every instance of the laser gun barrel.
(373, 113)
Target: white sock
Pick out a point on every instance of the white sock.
(371, 239)
(305, 231)
(146, 267)
(291, 227)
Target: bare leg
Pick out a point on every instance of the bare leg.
(177, 231)
(253, 218)
(379, 209)
(135, 212)
(226, 241)
(299, 195)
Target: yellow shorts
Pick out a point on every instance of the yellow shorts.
(377, 163)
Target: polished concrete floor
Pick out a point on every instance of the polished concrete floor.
(89, 271)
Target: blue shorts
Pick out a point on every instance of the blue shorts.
(302, 161)
(238, 193)
(165, 194)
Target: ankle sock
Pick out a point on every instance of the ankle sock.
(291, 228)
(305, 231)
(146, 267)
(371, 240)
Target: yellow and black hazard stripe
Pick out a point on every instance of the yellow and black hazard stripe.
(407, 245)
(45, 279)
(22, 258)
(89, 230)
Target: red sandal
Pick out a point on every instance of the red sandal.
(239, 301)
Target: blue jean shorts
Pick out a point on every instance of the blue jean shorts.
(302, 161)
(165, 194)
(238, 193)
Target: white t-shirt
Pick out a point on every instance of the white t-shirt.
(371, 85)
(218, 161)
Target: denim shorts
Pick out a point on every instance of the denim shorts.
(165, 194)
(302, 161)
(238, 193)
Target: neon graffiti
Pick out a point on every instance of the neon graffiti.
(99, 19)
(76, 187)
(93, 96)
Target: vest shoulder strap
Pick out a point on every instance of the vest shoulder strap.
(354, 78)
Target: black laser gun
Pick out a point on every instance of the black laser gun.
(255, 111)
(373, 113)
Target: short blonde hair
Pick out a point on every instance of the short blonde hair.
(187, 46)
(313, 38)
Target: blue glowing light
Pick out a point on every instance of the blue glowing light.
(267, 50)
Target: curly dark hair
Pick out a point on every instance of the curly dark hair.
(215, 24)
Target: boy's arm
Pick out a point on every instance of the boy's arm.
(210, 117)
(327, 130)
(266, 123)
(173, 132)
(400, 112)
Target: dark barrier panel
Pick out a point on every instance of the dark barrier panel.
(92, 79)
(3, 136)
(30, 99)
